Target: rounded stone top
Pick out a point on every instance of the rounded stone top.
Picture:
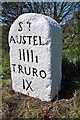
(37, 19)
(37, 16)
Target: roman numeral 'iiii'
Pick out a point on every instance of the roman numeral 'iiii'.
(27, 55)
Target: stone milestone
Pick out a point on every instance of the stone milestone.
(35, 42)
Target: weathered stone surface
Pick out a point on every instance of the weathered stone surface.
(35, 44)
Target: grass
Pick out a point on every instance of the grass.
(0, 62)
(74, 109)
(6, 72)
(21, 106)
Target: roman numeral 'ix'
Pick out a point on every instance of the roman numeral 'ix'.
(28, 85)
(27, 55)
